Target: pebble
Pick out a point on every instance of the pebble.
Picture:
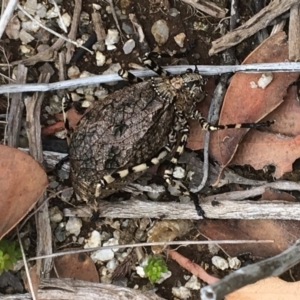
(265, 80)
(73, 72)
(179, 39)
(112, 242)
(140, 271)
(66, 19)
(219, 262)
(13, 28)
(94, 240)
(55, 214)
(181, 292)
(127, 28)
(173, 12)
(102, 255)
(60, 232)
(129, 46)
(74, 225)
(234, 263)
(41, 10)
(112, 264)
(164, 276)
(100, 59)
(193, 283)
(112, 37)
(152, 195)
(160, 31)
(66, 195)
(179, 172)
(25, 37)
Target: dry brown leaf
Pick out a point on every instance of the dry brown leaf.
(284, 234)
(268, 289)
(22, 182)
(245, 104)
(271, 194)
(262, 148)
(78, 266)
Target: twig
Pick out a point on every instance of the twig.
(5, 17)
(294, 33)
(205, 70)
(256, 23)
(208, 7)
(270, 267)
(64, 28)
(16, 111)
(26, 267)
(172, 243)
(74, 28)
(111, 4)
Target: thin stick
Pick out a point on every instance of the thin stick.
(204, 70)
(181, 243)
(10, 7)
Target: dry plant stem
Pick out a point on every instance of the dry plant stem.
(96, 80)
(192, 267)
(70, 289)
(16, 111)
(111, 4)
(278, 27)
(225, 209)
(208, 7)
(73, 30)
(8, 12)
(44, 240)
(62, 66)
(253, 25)
(99, 27)
(26, 266)
(270, 267)
(294, 33)
(137, 245)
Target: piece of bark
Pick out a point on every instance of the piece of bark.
(74, 28)
(98, 26)
(257, 22)
(225, 209)
(44, 234)
(294, 33)
(69, 289)
(16, 111)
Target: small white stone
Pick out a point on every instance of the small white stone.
(66, 19)
(94, 240)
(181, 292)
(74, 225)
(164, 276)
(41, 10)
(179, 172)
(140, 271)
(112, 37)
(96, 6)
(112, 242)
(31, 6)
(129, 46)
(112, 264)
(213, 249)
(265, 80)
(160, 31)
(193, 283)
(102, 255)
(100, 59)
(26, 49)
(73, 72)
(52, 13)
(253, 85)
(55, 214)
(25, 37)
(153, 195)
(234, 263)
(219, 262)
(111, 47)
(179, 39)
(31, 26)
(13, 28)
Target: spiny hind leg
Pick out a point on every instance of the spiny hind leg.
(108, 179)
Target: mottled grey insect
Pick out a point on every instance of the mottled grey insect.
(135, 128)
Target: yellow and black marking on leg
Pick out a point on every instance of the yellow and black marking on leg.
(108, 179)
(210, 127)
(152, 65)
